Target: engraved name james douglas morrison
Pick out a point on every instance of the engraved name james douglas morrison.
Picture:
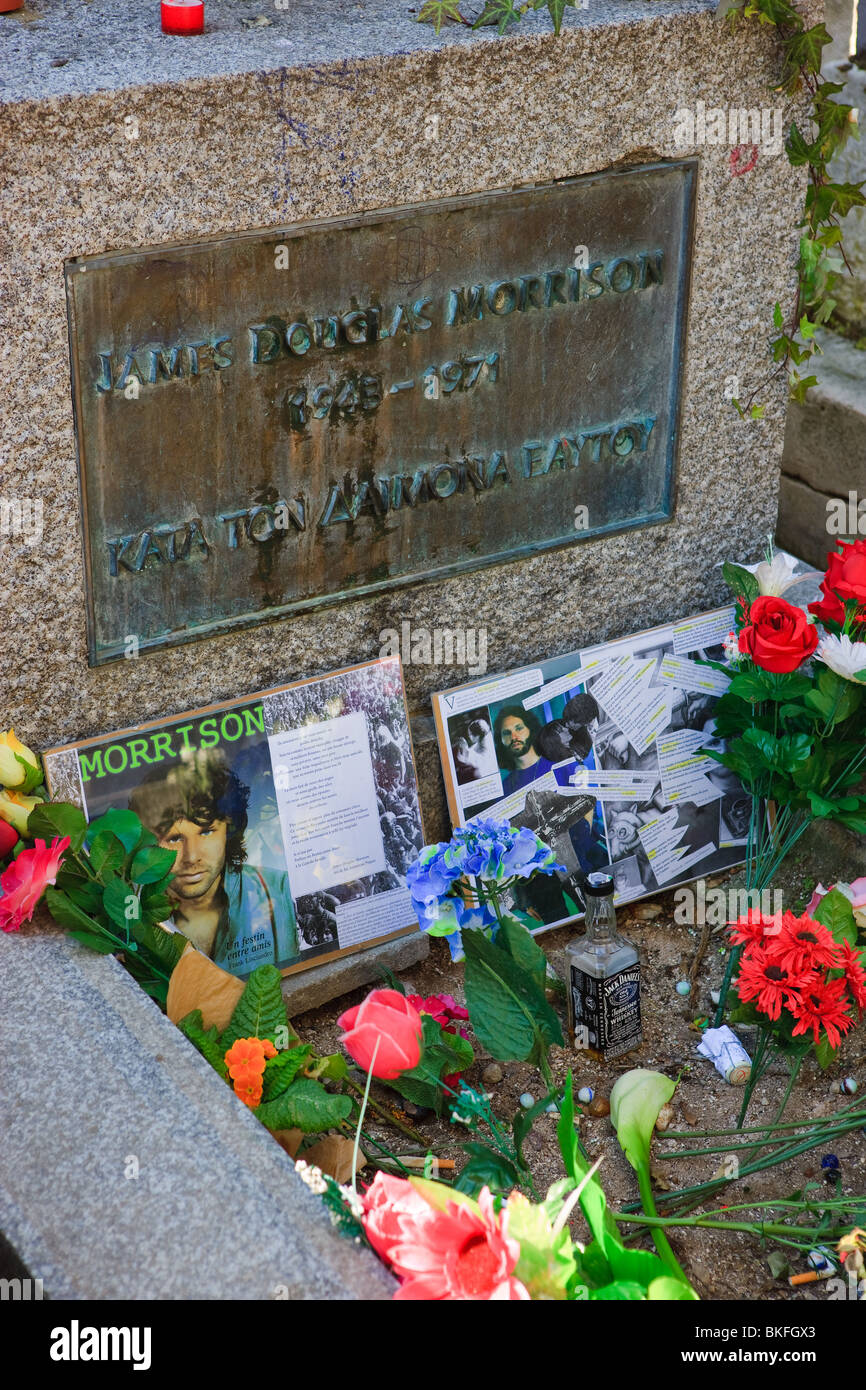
(138, 370)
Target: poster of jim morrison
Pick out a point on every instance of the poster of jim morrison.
(601, 753)
(293, 814)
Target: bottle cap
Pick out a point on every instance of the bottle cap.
(598, 885)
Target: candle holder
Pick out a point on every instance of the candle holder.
(182, 16)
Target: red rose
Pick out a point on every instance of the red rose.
(26, 879)
(385, 1027)
(845, 580)
(778, 636)
(8, 838)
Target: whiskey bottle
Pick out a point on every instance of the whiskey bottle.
(604, 979)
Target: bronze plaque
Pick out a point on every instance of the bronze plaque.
(274, 420)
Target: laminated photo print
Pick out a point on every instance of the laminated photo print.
(602, 752)
(293, 814)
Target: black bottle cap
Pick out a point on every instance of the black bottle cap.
(598, 885)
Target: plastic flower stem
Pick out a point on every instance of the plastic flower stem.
(798, 1145)
(758, 1068)
(385, 1114)
(660, 1240)
(361, 1118)
(368, 1139)
(755, 1228)
(846, 1113)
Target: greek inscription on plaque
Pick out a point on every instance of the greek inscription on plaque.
(275, 420)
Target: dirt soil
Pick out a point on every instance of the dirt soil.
(720, 1264)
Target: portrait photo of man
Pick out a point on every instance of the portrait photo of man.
(236, 913)
(515, 735)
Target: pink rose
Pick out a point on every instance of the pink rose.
(26, 879)
(389, 1205)
(387, 1028)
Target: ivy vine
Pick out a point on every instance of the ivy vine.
(822, 256)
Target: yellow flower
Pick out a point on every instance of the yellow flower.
(16, 809)
(12, 774)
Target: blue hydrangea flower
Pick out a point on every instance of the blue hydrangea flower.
(490, 851)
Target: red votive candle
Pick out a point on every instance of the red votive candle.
(182, 16)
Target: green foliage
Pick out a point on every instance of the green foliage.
(435, 12)
(606, 1268)
(206, 1040)
(486, 1168)
(110, 892)
(260, 1011)
(635, 1102)
(443, 1054)
(835, 912)
(52, 818)
(305, 1105)
(507, 1007)
(741, 582)
(280, 1071)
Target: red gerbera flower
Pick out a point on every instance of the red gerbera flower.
(855, 976)
(804, 944)
(764, 979)
(822, 1005)
(754, 928)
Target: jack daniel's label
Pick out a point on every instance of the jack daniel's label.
(606, 1012)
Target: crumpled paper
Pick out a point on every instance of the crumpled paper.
(196, 983)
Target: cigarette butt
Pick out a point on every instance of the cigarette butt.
(415, 1161)
(811, 1276)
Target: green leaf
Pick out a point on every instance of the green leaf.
(107, 854)
(306, 1105)
(280, 1071)
(509, 1013)
(835, 912)
(151, 865)
(486, 1168)
(667, 1288)
(124, 824)
(165, 948)
(635, 1102)
(331, 1068)
(206, 1040)
(825, 1054)
(120, 903)
(546, 1265)
(741, 582)
(557, 10)
(523, 949)
(435, 12)
(499, 12)
(442, 1054)
(569, 1144)
(99, 944)
(57, 818)
(260, 1011)
(67, 915)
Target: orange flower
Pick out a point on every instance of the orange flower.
(249, 1091)
(268, 1048)
(245, 1060)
